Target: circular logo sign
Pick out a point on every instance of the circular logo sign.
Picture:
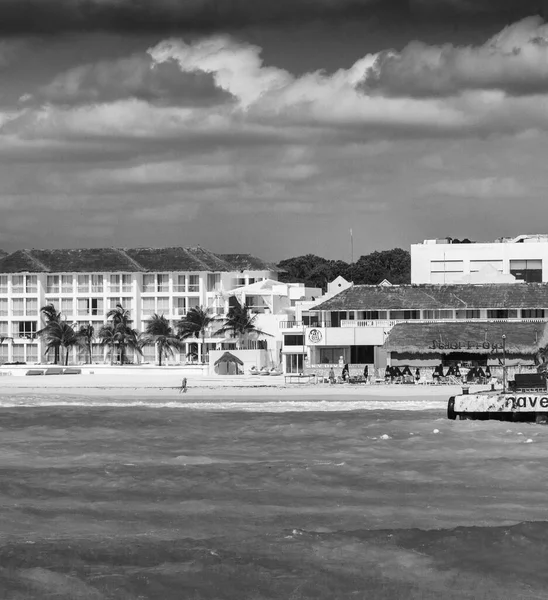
(315, 336)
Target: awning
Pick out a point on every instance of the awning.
(471, 337)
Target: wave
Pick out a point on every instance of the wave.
(271, 405)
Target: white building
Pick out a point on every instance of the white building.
(84, 284)
(442, 261)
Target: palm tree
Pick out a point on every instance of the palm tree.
(52, 317)
(160, 333)
(195, 324)
(240, 323)
(121, 338)
(119, 333)
(85, 334)
(60, 334)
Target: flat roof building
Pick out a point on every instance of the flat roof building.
(506, 260)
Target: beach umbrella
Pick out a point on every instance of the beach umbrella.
(228, 357)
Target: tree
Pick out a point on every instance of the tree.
(394, 265)
(240, 323)
(85, 335)
(195, 324)
(159, 332)
(118, 338)
(60, 334)
(118, 334)
(52, 317)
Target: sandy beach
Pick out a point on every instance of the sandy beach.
(167, 385)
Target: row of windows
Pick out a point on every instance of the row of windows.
(529, 270)
(96, 283)
(336, 317)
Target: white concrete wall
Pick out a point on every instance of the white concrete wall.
(423, 254)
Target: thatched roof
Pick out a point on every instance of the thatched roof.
(418, 338)
(246, 262)
(228, 357)
(126, 260)
(431, 297)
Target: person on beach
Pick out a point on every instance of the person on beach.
(182, 389)
(331, 375)
(366, 373)
(345, 372)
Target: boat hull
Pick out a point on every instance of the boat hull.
(519, 406)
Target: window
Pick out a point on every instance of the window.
(83, 284)
(31, 284)
(67, 285)
(193, 284)
(18, 307)
(529, 271)
(18, 352)
(3, 284)
(532, 313)
(149, 283)
(3, 329)
(3, 353)
(148, 306)
(294, 340)
(163, 283)
(474, 313)
(3, 307)
(193, 303)
(97, 306)
(127, 284)
(162, 306)
(445, 271)
(90, 306)
(149, 353)
(67, 307)
(179, 306)
(332, 356)
(17, 284)
(114, 283)
(31, 307)
(32, 353)
(52, 284)
(361, 355)
(97, 284)
(438, 314)
(180, 285)
(502, 314)
(213, 282)
(25, 329)
(478, 265)
(405, 315)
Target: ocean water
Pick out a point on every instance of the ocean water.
(107, 499)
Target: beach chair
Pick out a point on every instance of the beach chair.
(34, 372)
(72, 372)
(54, 371)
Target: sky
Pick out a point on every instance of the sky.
(271, 127)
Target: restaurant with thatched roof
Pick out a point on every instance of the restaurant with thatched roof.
(473, 343)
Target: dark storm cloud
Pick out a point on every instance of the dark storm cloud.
(133, 77)
(51, 16)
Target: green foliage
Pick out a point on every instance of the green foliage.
(159, 332)
(240, 323)
(118, 334)
(315, 271)
(195, 325)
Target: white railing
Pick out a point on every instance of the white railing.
(291, 324)
(392, 322)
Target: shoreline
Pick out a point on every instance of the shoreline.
(132, 386)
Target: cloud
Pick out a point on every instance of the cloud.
(134, 77)
(54, 16)
(514, 61)
(9, 51)
(482, 188)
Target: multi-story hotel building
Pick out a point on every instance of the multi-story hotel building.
(84, 284)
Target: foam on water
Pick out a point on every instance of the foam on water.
(270, 405)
